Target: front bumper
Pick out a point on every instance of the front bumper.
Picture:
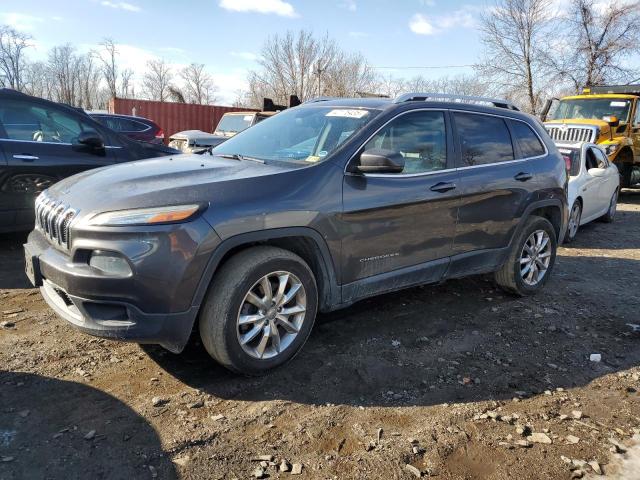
(120, 320)
(153, 305)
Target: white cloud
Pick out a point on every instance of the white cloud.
(349, 5)
(419, 24)
(245, 55)
(434, 24)
(21, 21)
(278, 7)
(129, 7)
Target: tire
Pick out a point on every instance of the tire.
(625, 165)
(227, 302)
(510, 276)
(610, 216)
(575, 214)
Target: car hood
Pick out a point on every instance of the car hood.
(198, 137)
(172, 180)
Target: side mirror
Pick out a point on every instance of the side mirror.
(612, 120)
(377, 160)
(91, 139)
(597, 172)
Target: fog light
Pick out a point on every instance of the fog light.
(110, 263)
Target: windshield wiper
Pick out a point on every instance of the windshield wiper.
(237, 156)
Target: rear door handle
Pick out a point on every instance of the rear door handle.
(26, 158)
(443, 187)
(523, 176)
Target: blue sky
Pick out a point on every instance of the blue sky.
(226, 35)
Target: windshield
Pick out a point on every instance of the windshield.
(234, 123)
(299, 135)
(595, 108)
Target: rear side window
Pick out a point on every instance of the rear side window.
(127, 125)
(484, 139)
(529, 143)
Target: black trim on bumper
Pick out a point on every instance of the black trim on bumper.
(121, 321)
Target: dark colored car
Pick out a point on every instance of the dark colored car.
(136, 128)
(323, 205)
(42, 142)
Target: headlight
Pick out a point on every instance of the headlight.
(145, 216)
(609, 149)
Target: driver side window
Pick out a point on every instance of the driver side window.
(420, 137)
(34, 123)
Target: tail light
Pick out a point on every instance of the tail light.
(160, 134)
(567, 162)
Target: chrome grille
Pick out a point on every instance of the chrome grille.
(53, 219)
(572, 133)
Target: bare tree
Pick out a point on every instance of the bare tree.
(241, 99)
(157, 79)
(599, 40)
(12, 58)
(393, 86)
(307, 66)
(198, 84)
(126, 84)
(37, 81)
(515, 34)
(349, 75)
(109, 66)
(91, 94)
(63, 68)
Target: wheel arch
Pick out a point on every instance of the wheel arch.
(305, 242)
(552, 210)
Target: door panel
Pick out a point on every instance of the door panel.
(34, 166)
(7, 212)
(396, 222)
(491, 204)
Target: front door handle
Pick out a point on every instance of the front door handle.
(443, 187)
(26, 158)
(523, 176)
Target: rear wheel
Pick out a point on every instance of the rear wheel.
(531, 259)
(259, 310)
(574, 222)
(610, 216)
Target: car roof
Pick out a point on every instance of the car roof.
(119, 115)
(388, 104)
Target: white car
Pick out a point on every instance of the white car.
(594, 184)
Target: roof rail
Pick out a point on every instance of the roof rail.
(448, 97)
(319, 99)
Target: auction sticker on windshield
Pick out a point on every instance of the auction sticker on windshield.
(347, 113)
(618, 104)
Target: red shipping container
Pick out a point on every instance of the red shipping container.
(174, 117)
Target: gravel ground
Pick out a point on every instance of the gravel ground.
(455, 381)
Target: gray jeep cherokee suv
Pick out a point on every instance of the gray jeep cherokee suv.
(311, 210)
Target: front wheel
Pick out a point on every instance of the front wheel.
(531, 258)
(574, 222)
(259, 310)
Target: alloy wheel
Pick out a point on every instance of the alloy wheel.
(535, 257)
(574, 220)
(271, 315)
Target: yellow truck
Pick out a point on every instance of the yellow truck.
(606, 115)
